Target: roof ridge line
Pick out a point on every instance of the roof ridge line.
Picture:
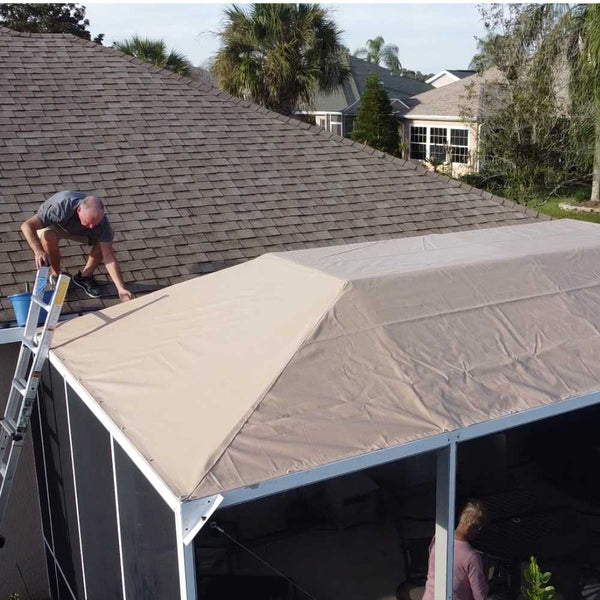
(29, 34)
(317, 130)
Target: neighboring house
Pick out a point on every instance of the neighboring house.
(337, 110)
(448, 76)
(438, 120)
(194, 181)
(442, 125)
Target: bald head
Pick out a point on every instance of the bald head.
(91, 211)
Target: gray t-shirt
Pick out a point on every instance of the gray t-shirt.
(61, 210)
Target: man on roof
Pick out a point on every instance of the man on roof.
(81, 218)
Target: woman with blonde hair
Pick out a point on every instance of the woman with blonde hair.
(470, 582)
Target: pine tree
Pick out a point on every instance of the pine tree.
(375, 124)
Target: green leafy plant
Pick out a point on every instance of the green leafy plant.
(47, 18)
(14, 597)
(155, 52)
(540, 111)
(279, 55)
(535, 587)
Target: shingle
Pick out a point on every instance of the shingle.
(194, 179)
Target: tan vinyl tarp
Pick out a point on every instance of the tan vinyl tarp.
(298, 359)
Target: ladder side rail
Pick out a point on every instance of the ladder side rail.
(27, 350)
(27, 346)
(27, 374)
(9, 468)
(41, 279)
(43, 347)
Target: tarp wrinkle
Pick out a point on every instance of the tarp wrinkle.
(297, 360)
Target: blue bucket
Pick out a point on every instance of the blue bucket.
(21, 302)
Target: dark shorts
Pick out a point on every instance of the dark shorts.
(65, 235)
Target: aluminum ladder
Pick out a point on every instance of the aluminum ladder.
(32, 356)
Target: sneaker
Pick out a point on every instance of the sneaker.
(53, 279)
(87, 284)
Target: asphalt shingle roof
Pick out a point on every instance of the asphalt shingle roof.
(194, 180)
(346, 97)
(462, 73)
(457, 98)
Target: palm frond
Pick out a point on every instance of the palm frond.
(277, 54)
(155, 53)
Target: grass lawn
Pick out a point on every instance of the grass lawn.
(551, 207)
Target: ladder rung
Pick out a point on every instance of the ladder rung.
(8, 426)
(21, 385)
(41, 303)
(30, 344)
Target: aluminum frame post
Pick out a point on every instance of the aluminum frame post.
(190, 517)
(444, 522)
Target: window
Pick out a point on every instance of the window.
(439, 144)
(418, 142)
(348, 125)
(459, 145)
(438, 139)
(335, 125)
(330, 122)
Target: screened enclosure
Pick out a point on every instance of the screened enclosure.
(108, 533)
(285, 382)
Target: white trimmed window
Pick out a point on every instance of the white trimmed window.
(335, 124)
(330, 121)
(418, 142)
(436, 143)
(438, 140)
(459, 145)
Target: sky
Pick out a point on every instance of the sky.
(430, 37)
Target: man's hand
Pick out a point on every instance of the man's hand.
(125, 294)
(41, 259)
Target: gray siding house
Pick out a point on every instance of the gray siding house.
(336, 111)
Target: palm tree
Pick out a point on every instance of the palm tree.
(378, 51)
(155, 52)
(372, 53)
(484, 59)
(277, 55)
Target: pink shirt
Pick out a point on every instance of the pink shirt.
(470, 582)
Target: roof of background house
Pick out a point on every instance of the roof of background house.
(346, 98)
(194, 180)
(309, 357)
(459, 73)
(462, 73)
(455, 99)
